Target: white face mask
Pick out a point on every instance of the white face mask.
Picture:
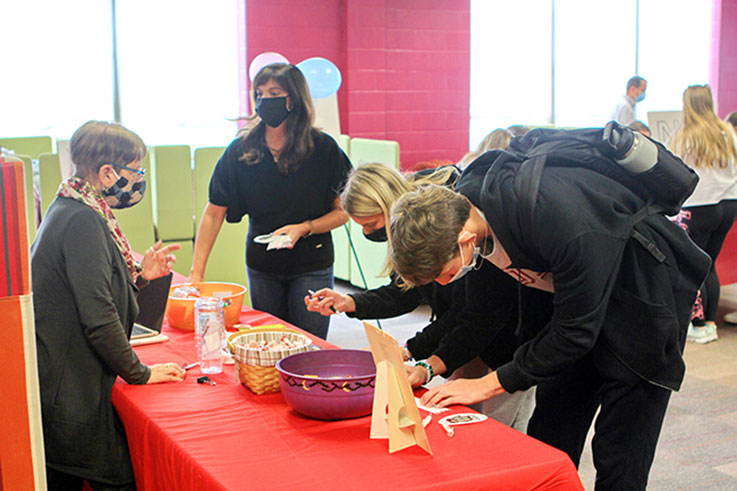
(465, 269)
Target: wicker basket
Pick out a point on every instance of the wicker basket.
(256, 369)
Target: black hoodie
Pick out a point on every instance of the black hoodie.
(609, 289)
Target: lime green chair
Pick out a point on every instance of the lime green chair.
(371, 255)
(342, 264)
(137, 222)
(32, 146)
(364, 150)
(227, 261)
(30, 197)
(49, 178)
(172, 190)
(344, 142)
(184, 255)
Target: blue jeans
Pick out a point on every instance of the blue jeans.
(283, 295)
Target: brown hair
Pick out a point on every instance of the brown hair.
(424, 232)
(299, 130)
(97, 143)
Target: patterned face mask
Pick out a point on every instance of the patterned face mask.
(124, 193)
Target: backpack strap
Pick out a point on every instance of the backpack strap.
(642, 213)
(527, 185)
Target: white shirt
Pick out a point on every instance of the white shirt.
(715, 183)
(534, 279)
(624, 113)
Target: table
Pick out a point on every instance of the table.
(190, 436)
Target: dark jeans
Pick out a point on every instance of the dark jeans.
(626, 429)
(283, 295)
(61, 481)
(708, 227)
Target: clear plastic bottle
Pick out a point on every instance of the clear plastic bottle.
(209, 333)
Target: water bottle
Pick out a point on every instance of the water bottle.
(209, 333)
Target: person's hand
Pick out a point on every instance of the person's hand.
(417, 375)
(166, 372)
(324, 299)
(463, 391)
(295, 232)
(157, 261)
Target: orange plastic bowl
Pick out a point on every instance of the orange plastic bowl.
(180, 311)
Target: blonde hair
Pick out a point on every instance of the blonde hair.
(703, 140)
(373, 188)
(424, 228)
(496, 140)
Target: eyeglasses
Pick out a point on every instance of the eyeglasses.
(140, 172)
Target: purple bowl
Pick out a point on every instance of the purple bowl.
(315, 383)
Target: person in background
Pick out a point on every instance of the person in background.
(709, 146)
(286, 175)
(85, 283)
(640, 127)
(367, 198)
(731, 317)
(610, 348)
(496, 140)
(732, 119)
(518, 130)
(624, 113)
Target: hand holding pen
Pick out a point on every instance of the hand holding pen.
(328, 302)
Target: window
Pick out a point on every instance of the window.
(592, 47)
(510, 65)
(57, 66)
(177, 68)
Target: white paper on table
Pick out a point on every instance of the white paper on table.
(434, 410)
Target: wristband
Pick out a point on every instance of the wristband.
(430, 373)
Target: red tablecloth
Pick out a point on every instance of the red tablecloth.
(188, 436)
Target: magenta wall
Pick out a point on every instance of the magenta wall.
(405, 65)
(723, 77)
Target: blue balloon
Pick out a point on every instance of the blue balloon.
(323, 77)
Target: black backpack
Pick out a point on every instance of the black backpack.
(664, 186)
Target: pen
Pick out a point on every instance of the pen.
(312, 294)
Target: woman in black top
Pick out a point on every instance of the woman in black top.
(286, 176)
(85, 284)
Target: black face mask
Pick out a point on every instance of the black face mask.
(272, 110)
(378, 235)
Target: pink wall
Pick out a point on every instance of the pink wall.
(723, 77)
(405, 65)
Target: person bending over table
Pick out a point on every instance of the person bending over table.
(286, 175)
(367, 198)
(85, 282)
(619, 314)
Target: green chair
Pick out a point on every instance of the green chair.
(49, 178)
(184, 256)
(364, 150)
(137, 222)
(32, 146)
(227, 261)
(172, 190)
(344, 142)
(342, 264)
(371, 255)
